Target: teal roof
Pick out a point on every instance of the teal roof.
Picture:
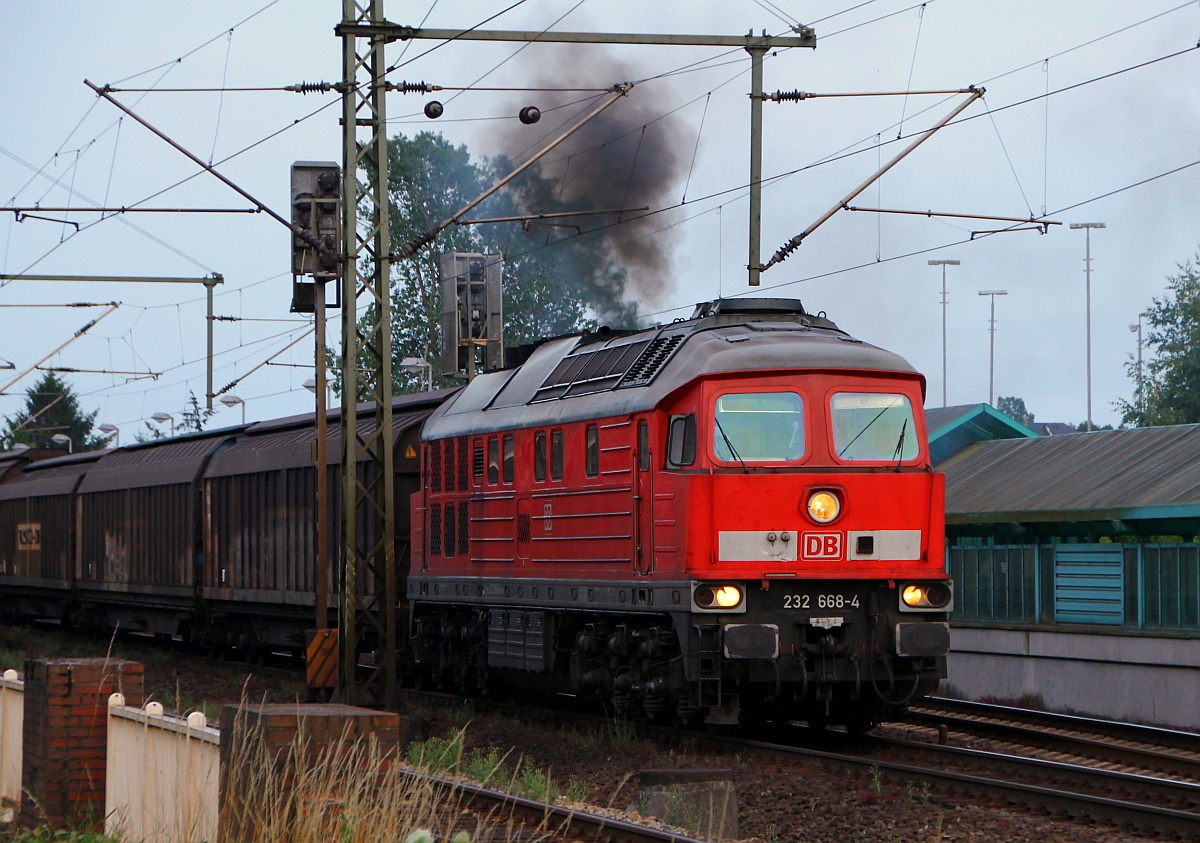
(952, 429)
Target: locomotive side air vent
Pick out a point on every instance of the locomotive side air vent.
(652, 360)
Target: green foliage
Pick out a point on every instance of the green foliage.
(437, 755)
(876, 780)
(577, 791)
(1014, 408)
(1169, 390)
(548, 290)
(194, 417)
(51, 407)
(535, 784)
(486, 767)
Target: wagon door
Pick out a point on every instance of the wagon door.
(643, 501)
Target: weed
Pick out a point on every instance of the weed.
(925, 792)
(486, 767)
(350, 791)
(535, 784)
(619, 731)
(772, 833)
(577, 791)
(876, 779)
(437, 755)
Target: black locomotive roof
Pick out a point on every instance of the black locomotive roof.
(594, 375)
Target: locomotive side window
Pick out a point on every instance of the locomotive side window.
(539, 456)
(556, 455)
(592, 451)
(873, 426)
(681, 441)
(493, 467)
(509, 459)
(758, 427)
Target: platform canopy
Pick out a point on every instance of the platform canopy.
(1141, 481)
(951, 429)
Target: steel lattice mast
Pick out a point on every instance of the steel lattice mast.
(366, 358)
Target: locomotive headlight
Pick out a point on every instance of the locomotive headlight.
(718, 597)
(727, 596)
(823, 507)
(926, 597)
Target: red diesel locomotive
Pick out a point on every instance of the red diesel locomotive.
(733, 516)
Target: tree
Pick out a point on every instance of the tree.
(1014, 408)
(51, 407)
(1168, 389)
(547, 291)
(194, 417)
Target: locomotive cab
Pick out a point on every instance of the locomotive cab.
(815, 544)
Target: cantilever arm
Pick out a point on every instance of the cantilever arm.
(791, 245)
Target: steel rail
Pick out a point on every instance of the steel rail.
(1142, 757)
(1156, 735)
(560, 820)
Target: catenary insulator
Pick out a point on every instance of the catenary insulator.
(788, 96)
(310, 88)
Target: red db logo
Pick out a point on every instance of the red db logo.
(822, 545)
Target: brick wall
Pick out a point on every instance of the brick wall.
(261, 741)
(65, 738)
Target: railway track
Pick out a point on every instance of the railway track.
(541, 820)
(1080, 788)
(1117, 746)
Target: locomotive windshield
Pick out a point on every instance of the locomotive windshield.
(873, 426)
(759, 427)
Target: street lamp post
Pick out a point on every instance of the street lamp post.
(165, 417)
(63, 439)
(1087, 274)
(992, 342)
(113, 432)
(422, 367)
(233, 401)
(945, 298)
(1141, 399)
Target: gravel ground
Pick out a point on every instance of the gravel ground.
(794, 801)
(790, 801)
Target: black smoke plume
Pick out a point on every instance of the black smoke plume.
(630, 156)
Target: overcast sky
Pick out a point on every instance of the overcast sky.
(1123, 108)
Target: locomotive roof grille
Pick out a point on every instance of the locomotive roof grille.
(591, 371)
(652, 360)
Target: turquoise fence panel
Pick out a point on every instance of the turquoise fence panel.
(1171, 586)
(994, 583)
(1089, 584)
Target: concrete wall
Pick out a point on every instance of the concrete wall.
(12, 719)
(163, 775)
(1134, 678)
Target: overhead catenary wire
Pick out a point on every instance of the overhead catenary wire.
(863, 4)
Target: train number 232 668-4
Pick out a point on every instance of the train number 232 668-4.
(820, 601)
